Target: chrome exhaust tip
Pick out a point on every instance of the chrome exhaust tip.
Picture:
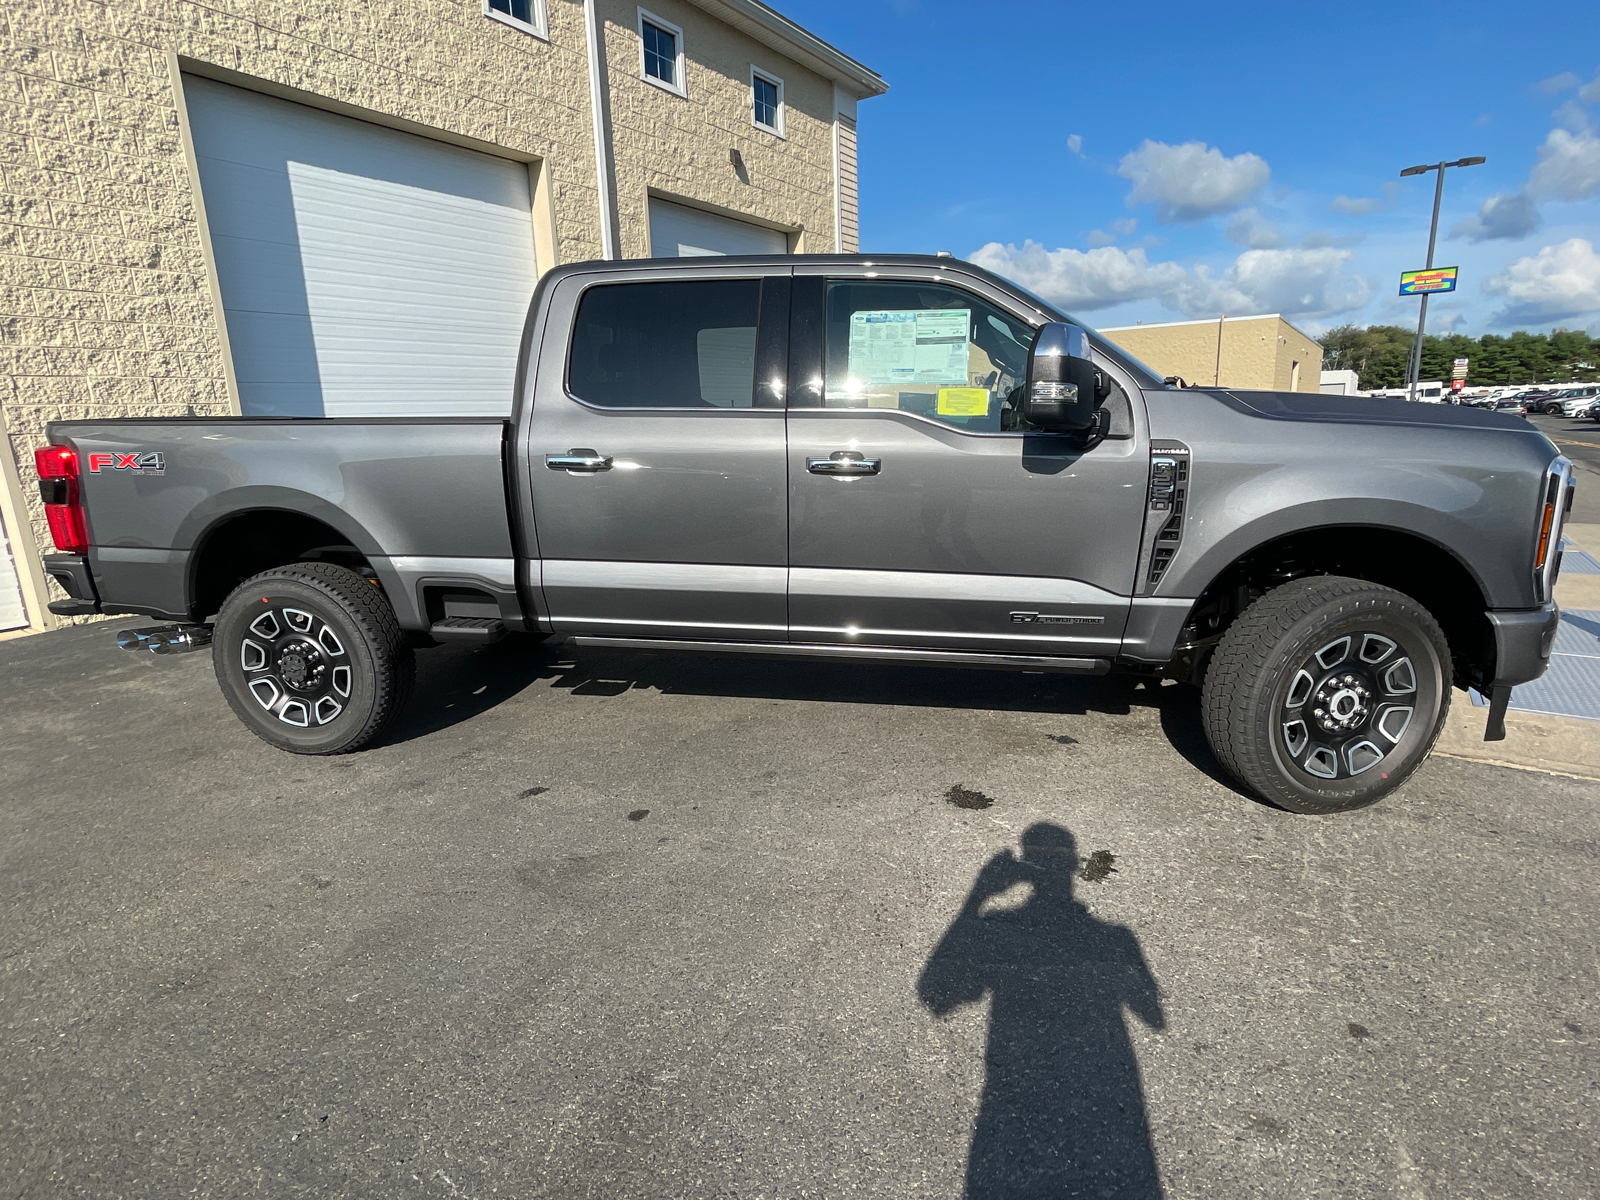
(165, 639)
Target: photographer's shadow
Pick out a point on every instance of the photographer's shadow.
(1063, 1107)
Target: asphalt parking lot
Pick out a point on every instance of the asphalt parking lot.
(624, 926)
(1579, 440)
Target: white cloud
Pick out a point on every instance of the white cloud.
(1126, 226)
(1568, 166)
(1558, 83)
(1571, 117)
(1362, 206)
(1559, 281)
(1249, 228)
(1318, 238)
(1082, 280)
(1099, 237)
(1509, 215)
(1590, 92)
(1075, 143)
(1193, 181)
(1295, 282)
(1300, 281)
(1356, 206)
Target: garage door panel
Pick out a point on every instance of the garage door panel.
(364, 271)
(677, 231)
(264, 278)
(13, 613)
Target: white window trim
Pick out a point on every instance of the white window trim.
(682, 87)
(755, 74)
(539, 28)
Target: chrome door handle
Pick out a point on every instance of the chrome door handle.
(844, 462)
(578, 460)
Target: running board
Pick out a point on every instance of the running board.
(873, 654)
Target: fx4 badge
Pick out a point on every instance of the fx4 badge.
(151, 463)
(1033, 618)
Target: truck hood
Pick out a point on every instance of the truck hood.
(1361, 410)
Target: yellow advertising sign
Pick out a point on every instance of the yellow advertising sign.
(1427, 283)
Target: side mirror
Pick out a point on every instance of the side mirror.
(1063, 385)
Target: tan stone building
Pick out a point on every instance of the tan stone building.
(314, 207)
(1264, 353)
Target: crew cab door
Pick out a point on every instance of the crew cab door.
(656, 461)
(919, 512)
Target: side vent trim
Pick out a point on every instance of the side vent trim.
(1166, 507)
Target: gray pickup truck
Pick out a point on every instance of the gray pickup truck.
(900, 459)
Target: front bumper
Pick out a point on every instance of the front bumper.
(1522, 642)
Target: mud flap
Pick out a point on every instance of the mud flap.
(1499, 698)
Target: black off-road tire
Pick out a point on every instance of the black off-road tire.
(312, 659)
(1258, 709)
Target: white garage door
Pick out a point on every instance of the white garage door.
(679, 232)
(12, 613)
(364, 271)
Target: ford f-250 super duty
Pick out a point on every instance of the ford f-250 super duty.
(899, 459)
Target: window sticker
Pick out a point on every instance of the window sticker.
(963, 402)
(909, 346)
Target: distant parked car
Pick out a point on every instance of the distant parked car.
(1512, 406)
(1579, 407)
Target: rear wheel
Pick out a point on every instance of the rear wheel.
(311, 658)
(1327, 693)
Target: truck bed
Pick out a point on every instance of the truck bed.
(169, 497)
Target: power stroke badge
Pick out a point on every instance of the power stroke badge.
(150, 463)
(1033, 618)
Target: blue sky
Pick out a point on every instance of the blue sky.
(1161, 161)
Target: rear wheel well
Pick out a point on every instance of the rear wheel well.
(1431, 576)
(252, 542)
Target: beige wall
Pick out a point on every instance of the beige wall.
(107, 305)
(1257, 352)
(677, 147)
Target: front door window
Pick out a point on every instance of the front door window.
(927, 349)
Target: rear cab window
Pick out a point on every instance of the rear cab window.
(669, 344)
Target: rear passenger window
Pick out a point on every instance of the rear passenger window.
(687, 344)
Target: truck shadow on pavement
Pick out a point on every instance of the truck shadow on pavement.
(455, 684)
(1063, 1110)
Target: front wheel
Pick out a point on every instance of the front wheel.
(311, 658)
(1327, 693)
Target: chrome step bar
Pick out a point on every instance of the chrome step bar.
(865, 654)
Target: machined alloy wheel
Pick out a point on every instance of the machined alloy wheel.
(311, 658)
(1327, 693)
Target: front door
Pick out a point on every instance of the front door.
(657, 463)
(922, 510)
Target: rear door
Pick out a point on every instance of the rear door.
(657, 455)
(922, 511)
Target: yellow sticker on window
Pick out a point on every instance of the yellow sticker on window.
(963, 402)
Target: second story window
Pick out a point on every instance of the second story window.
(766, 92)
(662, 44)
(526, 15)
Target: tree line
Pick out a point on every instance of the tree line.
(1380, 355)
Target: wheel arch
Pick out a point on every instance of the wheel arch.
(242, 533)
(1407, 560)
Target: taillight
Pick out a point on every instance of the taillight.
(63, 507)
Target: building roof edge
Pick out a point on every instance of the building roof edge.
(1211, 321)
(778, 32)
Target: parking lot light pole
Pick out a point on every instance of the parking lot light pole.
(1433, 234)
